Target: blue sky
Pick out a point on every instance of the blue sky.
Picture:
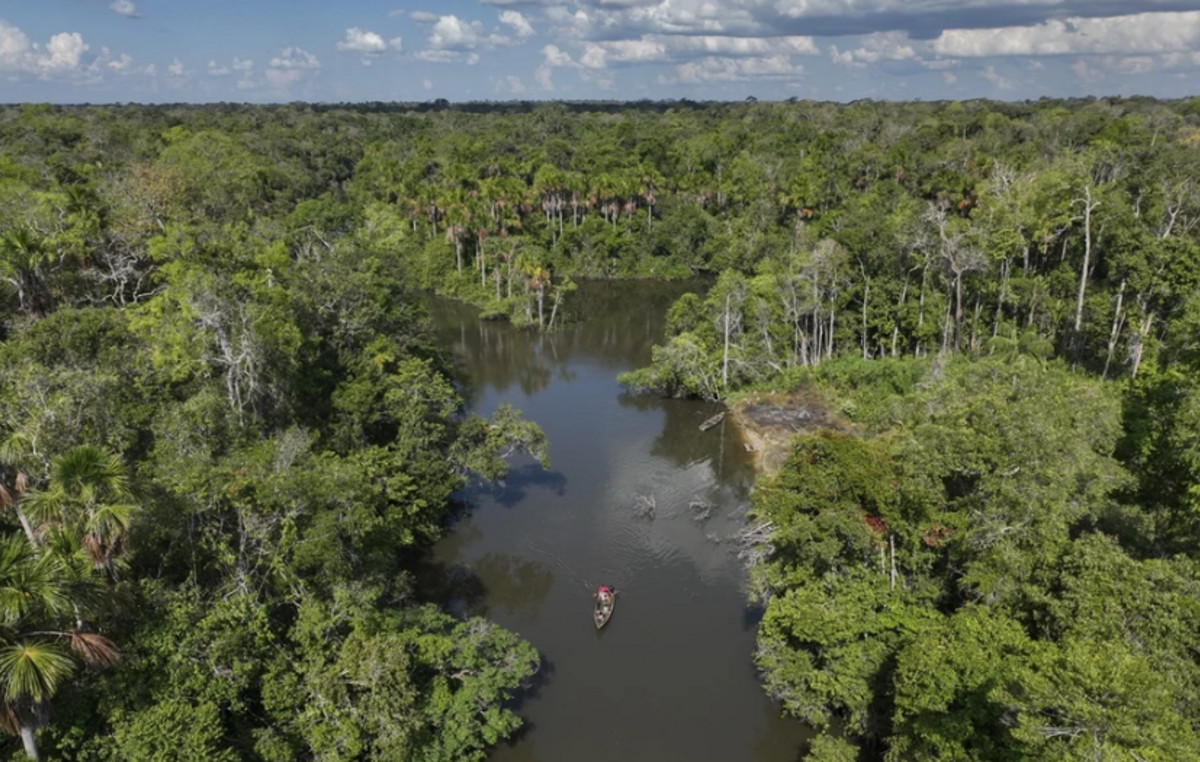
(151, 51)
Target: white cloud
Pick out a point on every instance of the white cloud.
(63, 52)
(368, 42)
(652, 48)
(725, 69)
(1176, 60)
(176, 69)
(289, 67)
(1131, 64)
(423, 17)
(61, 56)
(556, 58)
(1001, 82)
(512, 84)
(439, 56)
(293, 57)
(519, 24)
(881, 46)
(124, 8)
(243, 68)
(362, 41)
(452, 33)
(426, 84)
(595, 56)
(745, 46)
(121, 63)
(545, 77)
(1137, 33)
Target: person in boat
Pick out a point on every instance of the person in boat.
(604, 594)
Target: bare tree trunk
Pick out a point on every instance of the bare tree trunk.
(896, 322)
(1139, 345)
(1118, 321)
(832, 313)
(725, 361)
(892, 547)
(558, 297)
(25, 525)
(816, 319)
(482, 264)
(1088, 207)
(1004, 268)
(948, 320)
(866, 295)
(30, 742)
(921, 301)
(958, 310)
(974, 344)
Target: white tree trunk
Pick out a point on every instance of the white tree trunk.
(1088, 207)
(30, 743)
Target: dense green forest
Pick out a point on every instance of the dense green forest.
(226, 435)
(1000, 563)
(224, 442)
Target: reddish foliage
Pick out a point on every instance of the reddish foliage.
(878, 525)
(935, 535)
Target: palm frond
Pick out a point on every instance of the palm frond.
(9, 722)
(46, 505)
(95, 650)
(87, 469)
(96, 550)
(29, 582)
(33, 670)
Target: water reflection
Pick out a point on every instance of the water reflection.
(638, 498)
(615, 324)
(521, 479)
(513, 584)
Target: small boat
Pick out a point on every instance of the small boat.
(604, 610)
(710, 422)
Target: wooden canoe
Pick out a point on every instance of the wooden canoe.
(709, 423)
(604, 610)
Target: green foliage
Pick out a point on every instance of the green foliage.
(827, 748)
(173, 730)
(948, 590)
(226, 430)
(212, 308)
(682, 368)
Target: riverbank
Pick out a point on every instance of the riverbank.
(769, 421)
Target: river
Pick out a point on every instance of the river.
(636, 497)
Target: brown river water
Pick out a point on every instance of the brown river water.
(636, 497)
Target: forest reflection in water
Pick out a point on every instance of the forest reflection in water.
(636, 497)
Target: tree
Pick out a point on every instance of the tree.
(34, 596)
(89, 499)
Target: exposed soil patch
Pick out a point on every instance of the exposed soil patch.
(769, 423)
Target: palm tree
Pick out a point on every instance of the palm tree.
(35, 656)
(89, 500)
(23, 254)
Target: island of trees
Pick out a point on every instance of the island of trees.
(226, 434)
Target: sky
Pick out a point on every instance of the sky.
(170, 51)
